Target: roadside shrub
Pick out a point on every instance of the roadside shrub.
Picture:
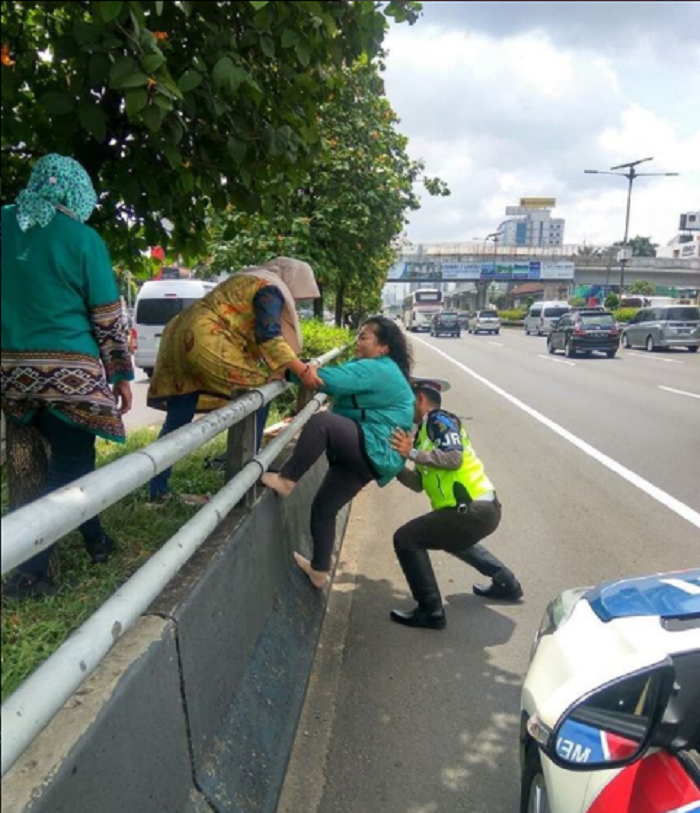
(513, 315)
(625, 314)
(319, 338)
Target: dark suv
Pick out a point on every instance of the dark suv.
(446, 322)
(583, 331)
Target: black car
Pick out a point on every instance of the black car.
(585, 331)
(446, 322)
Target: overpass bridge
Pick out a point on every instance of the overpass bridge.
(559, 268)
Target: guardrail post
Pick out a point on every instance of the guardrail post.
(240, 449)
(303, 397)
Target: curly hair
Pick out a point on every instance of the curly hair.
(390, 334)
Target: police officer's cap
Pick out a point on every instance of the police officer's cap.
(436, 385)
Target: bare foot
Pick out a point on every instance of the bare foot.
(318, 578)
(278, 483)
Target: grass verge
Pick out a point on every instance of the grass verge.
(33, 629)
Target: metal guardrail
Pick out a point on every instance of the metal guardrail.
(32, 706)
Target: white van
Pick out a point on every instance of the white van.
(158, 302)
(542, 316)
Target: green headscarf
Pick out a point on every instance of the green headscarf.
(57, 182)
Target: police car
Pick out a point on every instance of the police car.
(610, 717)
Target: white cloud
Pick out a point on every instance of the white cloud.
(504, 117)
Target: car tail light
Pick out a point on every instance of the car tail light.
(580, 331)
(134, 340)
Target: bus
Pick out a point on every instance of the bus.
(419, 308)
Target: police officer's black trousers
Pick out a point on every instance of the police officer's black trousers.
(455, 531)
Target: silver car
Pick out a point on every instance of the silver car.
(484, 322)
(656, 328)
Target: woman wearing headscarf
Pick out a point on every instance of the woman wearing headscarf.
(236, 337)
(64, 338)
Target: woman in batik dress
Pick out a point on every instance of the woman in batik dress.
(235, 338)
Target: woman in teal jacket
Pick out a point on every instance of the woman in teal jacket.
(372, 397)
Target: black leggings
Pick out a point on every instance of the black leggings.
(347, 475)
(72, 456)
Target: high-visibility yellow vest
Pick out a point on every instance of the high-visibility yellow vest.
(439, 484)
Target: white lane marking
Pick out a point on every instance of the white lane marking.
(654, 358)
(495, 344)
(558, 361)
(678, 507)
(680, 392)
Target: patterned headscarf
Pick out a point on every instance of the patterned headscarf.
(59, 183)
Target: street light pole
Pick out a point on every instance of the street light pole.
(631, 174)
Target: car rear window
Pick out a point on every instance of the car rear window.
(158, 312)
(593, 319)
(554, 313)
(536, 312)
(683, 314)
(488, 315)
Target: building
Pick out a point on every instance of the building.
(686, 244)
(531, 224)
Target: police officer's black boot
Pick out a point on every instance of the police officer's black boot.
(429, 613)
(503, 586)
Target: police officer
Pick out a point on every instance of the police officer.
(465, 509)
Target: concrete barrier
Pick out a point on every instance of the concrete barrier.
(197, 708)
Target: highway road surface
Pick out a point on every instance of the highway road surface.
(597, 464)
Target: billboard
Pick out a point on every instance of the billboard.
(538, 203)
(520, 271)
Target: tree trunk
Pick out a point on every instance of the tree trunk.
(318, 305)
(27, 464)
(339, 305)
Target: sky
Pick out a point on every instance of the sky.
(504, 100)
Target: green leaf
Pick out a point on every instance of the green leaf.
(58, 104)
(136, 100)
(228, 76)
(163, 102)
(134, 80)
(109, 9)
(258, 4)
(152, 62)
(289, 38)
(189, 80)
(123, 66)
(237, 149)
(166, 80)
(86, 33)
(186, 6)
(275, 140)
(268, 46)
(153, 117)
(173, 155)
(221, 70)
(98, 69)
(159, 7)
(187, 180)
(303, 54)
(93, 119)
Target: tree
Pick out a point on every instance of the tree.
(612, 301)
(643, 288)
(349, 209)
(641, 246)
(177, 107)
